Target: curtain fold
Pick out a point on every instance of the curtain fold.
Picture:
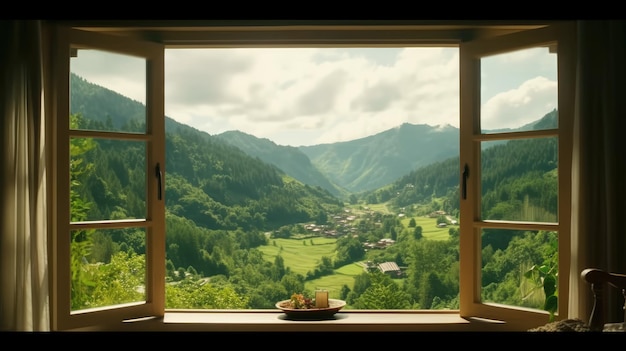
(24, 303)
(599, 163)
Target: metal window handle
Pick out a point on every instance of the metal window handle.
(465, 176)
(159, 176)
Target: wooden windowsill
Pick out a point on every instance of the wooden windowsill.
(272, 321)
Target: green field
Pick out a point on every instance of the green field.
(301, 258)
(303, 255)
(333, 283)
(300, 255)
(429, 228)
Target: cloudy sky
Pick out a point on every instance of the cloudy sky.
(313, 96)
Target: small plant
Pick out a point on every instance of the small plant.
(300, 301)
(544, 277)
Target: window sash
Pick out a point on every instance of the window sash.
(559, 36)
(154, 224)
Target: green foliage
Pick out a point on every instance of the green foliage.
(545, 278)
(121, 281)
(515, 274)
(382, 293)
(191, 293)
(349, 249)
(81, 283)
(80, 245)
(97, 284)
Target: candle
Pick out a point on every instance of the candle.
(321, 298)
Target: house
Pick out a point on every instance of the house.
(593, 109)
(390, 268)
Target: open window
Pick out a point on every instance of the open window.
(487, 230)
(490, 222)
(138, 222)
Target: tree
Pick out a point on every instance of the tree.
(278, 269)
(345, 290)
(349, 249)
(293, 283)
(383, 293)
(202, 295)
(412, 223)
(417, 233)
(81, 245)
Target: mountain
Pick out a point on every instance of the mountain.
(289, 159)
(210, 182)
(358, 165)
(368, 163)
(374, 161)
(341, 168)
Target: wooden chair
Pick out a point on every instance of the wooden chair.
(599, 279)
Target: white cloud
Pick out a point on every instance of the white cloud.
(311, 96)
(517, 107)
(318, 95)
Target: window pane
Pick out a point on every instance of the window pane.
(119, 75)
(519, 180)
(107, 267)
(108, 179)
(516, 265)
(517, 89)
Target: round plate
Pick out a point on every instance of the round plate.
(311, 313)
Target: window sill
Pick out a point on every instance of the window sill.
(272, 321)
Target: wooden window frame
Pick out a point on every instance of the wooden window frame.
(148, 41)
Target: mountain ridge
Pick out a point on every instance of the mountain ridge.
(340, 168)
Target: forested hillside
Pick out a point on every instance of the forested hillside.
(511, 171)
(287, 158)
(372, 162)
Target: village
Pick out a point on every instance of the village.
(345, 224)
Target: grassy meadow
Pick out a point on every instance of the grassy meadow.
(300, 255)
(304, 254)
(333, 283)
(430, 230)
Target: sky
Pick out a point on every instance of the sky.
(310, 96)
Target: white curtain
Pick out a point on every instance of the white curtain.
(599, 161)
(24, 303)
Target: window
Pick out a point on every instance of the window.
(141, 222)
(138, 225)
(481, 217)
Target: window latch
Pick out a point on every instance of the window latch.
(465, 176)
(159, 176)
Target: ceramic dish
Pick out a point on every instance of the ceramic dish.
(311, 313)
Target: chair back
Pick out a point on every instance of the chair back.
(599, 280)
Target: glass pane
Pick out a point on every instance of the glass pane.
(518, 89)
(519, 180)
(109, 91)
(517, 266)
(107, 267)
(297, 169)
(108, 179)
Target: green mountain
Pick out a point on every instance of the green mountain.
(375, 161)
(407, 164)
(358, 165)
(208, 181)
(288, 158)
